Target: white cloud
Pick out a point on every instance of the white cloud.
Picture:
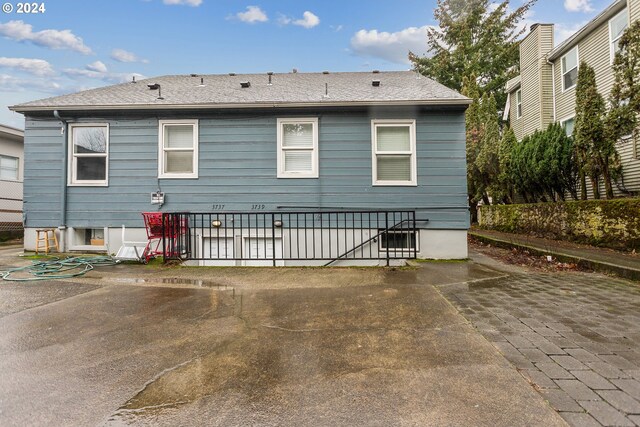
(14, 84)
(192, 3)
(564, 31)
(578, 5)
(252, 15)
(38, 67)
(97, 66)
(393, 47)
(99, 71)
(122, 55)
(309, 20)
(54, 39)
(336, 28)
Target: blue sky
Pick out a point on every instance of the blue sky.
(76, 44)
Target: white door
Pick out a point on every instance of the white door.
(217, 251)
(259, 250)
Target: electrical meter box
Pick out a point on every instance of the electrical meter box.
(157, 198)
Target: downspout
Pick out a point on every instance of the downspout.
(553, 86)
(62, 228)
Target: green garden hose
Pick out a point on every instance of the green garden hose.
(56, 268)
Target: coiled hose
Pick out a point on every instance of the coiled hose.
(56, 268)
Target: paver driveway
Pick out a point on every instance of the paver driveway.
(574, 336)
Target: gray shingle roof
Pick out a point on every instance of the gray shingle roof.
(290, 89)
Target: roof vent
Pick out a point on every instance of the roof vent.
(133, 79)
(375, 83)
(194, 75)
(295, 70)
(201, 81)
(269, 73)
(376, 71)
(156, 86)
(232, 74)
(245, 84)
(325, 72)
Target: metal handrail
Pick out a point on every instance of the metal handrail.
(372, 238)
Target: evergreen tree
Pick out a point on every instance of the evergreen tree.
(488, 162)
(474, 132)
(542, 165)
(506, 149)
(589, 132)
(474, 37)
(622, 118)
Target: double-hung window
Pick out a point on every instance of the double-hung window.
(519, 103)
(570, 69)
(394, 152)
(298, 148)
(617, 25)
(568, 125)
(9, 168)
(178, 145)
(89, 154)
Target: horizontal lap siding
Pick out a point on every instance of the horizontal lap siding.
(595, 51)
(237, 169)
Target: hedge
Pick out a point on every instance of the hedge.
(607, 223)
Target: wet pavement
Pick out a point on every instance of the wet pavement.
(574, 336)
(355, 346)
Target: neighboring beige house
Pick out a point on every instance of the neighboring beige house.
(11, 177)
(544, 92)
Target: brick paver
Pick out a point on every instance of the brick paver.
(575, 337)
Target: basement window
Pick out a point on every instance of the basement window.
(398, 240)
(87, 238)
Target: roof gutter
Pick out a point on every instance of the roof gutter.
(63, 183)
(434, 102)
(11, 132)
(609, 12)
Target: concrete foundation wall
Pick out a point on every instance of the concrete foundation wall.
(432, 244)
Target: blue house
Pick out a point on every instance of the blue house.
(294, 168)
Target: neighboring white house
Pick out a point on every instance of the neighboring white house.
(11, 177)
(544, 92)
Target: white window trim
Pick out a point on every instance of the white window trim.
(315, 171)
(563, 121)
(519, 104)
(563, 71)
(612, 54)
(412, 145)
(409, 247)
(71, 175)
(196, 136)
(17, 159)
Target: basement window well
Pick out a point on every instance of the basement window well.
(87, 238)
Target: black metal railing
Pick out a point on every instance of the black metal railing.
(270, 238)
